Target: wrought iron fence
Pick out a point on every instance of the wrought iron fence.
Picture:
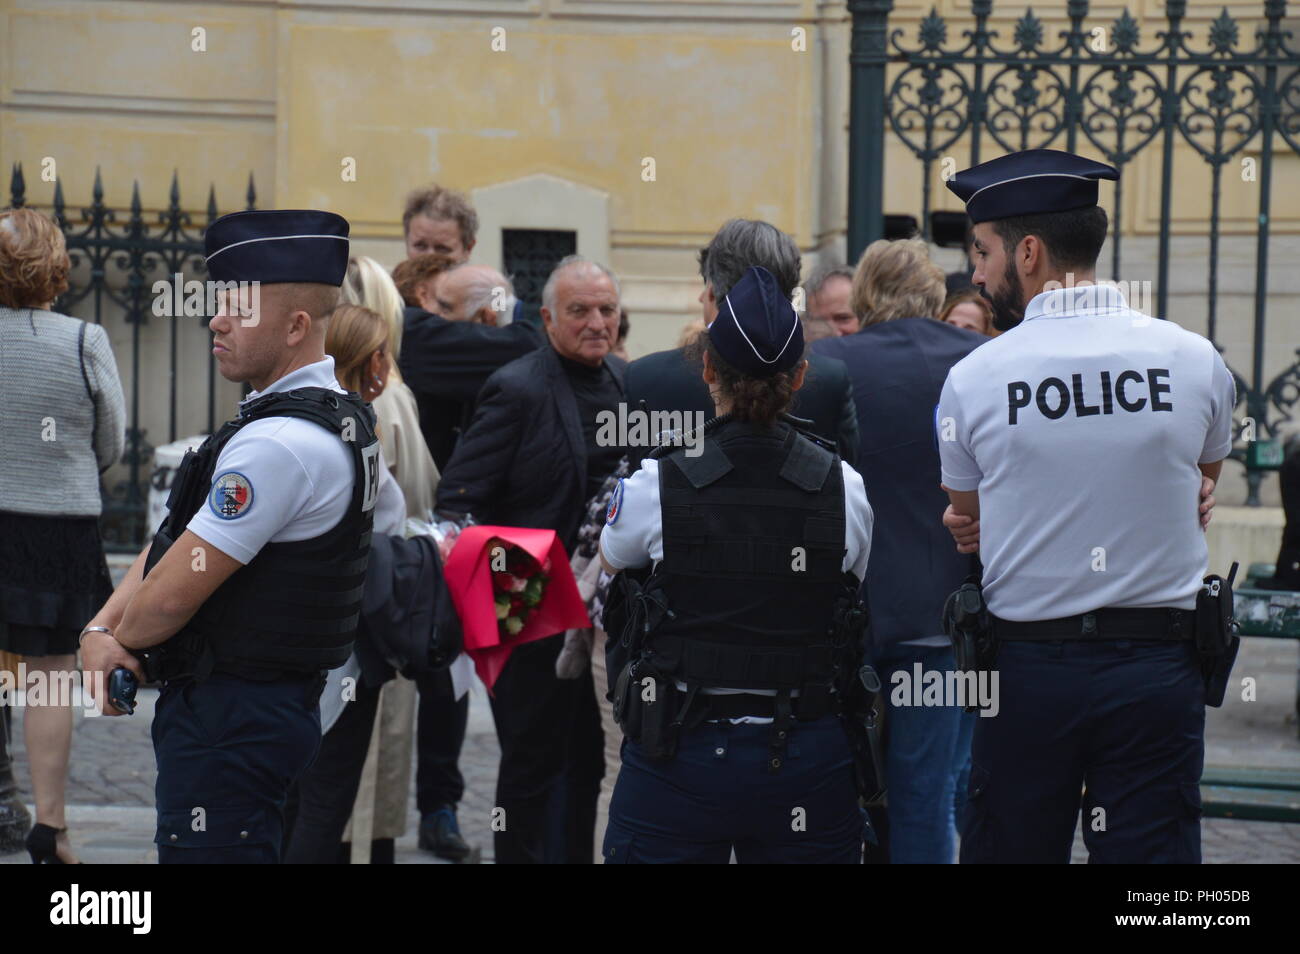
(117, 256)
(1103, 86)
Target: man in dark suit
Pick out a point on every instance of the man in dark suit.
(447, 355)
(898, 363)
(446, 358)
(533, 456)
(671, 381)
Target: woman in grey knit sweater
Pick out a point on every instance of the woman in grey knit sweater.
(62, 423)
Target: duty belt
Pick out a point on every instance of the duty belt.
(164, 667)
(1163, 623)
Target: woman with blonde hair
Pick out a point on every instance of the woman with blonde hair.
(62, 424)
(358, 339)
(408, 456)
(379, 811)
(442, 717)
(897, 279)
(368, 284)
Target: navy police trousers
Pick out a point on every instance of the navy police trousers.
(228, 749)
(717, 795)
(1114, 726)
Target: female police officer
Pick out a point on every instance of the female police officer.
(757, 534)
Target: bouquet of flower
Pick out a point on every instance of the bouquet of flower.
(511, 585)
(517, 586)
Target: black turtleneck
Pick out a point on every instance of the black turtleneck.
(596, 390)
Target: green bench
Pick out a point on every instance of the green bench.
(1260, 612)
(1270, 613)
(1251, 794)
(1255, 794)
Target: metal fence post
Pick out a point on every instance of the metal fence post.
(867, 114)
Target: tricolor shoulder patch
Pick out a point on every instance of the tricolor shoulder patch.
(231, 495)
(615, 505)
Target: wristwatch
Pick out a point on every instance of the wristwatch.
(92, 629)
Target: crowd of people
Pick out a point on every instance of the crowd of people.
(482, 414)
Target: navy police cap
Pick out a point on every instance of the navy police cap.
(1029, 183)
(757, 330)
(274, 246)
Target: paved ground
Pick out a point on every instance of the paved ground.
(110, 790)
(110, 787)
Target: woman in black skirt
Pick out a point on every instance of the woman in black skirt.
(62, 423)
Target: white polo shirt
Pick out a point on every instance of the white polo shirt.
(284, 478)
(1082, 429)
(636, 536)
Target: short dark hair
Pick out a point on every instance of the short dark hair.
(741, 243)
(1073, 239)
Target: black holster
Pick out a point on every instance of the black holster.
(857, 693)
(651, 710)
(969, 626)
(1216, 640)
(646, 702)
(863, 709)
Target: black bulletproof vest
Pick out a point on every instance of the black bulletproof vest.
(294, 607)
(753, 535)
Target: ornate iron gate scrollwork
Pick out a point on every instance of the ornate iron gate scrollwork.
(1102, 85)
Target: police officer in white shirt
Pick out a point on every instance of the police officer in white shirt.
(251, 588)
(759, 537)
(1079, 440)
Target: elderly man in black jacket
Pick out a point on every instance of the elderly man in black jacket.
(671, 380)
(531, 458)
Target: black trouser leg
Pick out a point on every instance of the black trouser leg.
(228, 751)
(583, 774)
(441, 733)
(1142, 802)
(328, 789)
(533, 711)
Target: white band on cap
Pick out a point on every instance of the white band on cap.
(270, 238)
(1036, 175)
(751, 344)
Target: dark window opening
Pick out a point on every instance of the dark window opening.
(529, 256)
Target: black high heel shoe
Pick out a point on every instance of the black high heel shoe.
(42, 845)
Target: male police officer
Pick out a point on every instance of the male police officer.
(251, 587)
(1079, 440)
